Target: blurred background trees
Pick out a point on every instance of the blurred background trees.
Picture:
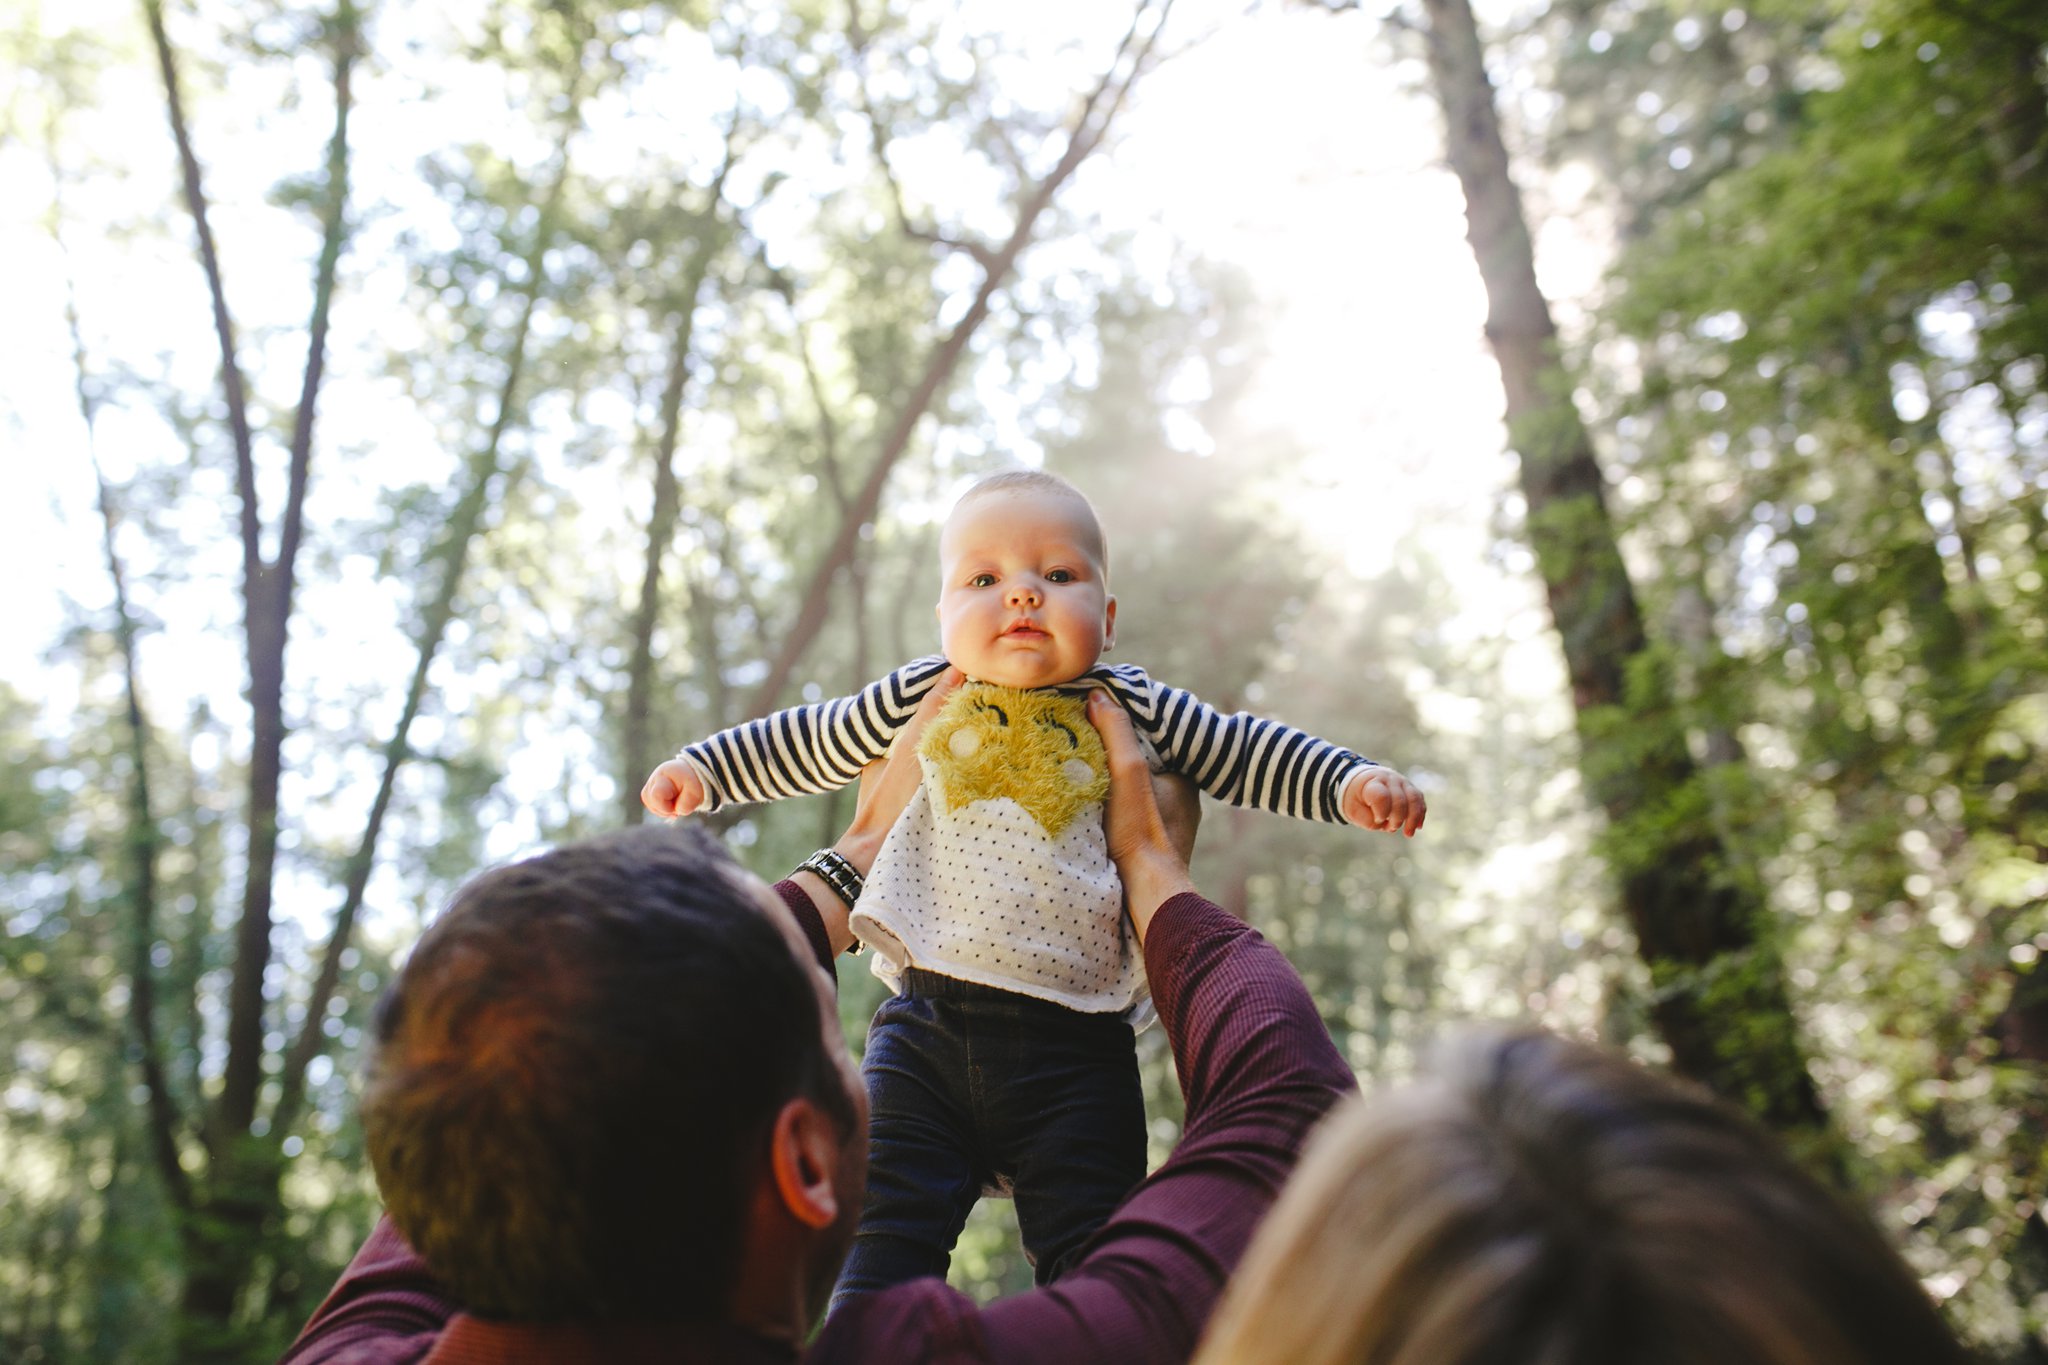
(551, 384)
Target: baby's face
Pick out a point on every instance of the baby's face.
(1023, 600)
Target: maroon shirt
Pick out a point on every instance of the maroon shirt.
(1257, 1068)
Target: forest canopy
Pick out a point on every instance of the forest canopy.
(1629, 419)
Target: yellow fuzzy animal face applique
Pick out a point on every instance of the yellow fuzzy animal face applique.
(1034, 747)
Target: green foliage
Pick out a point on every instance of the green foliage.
(79, 1202)
(1862, 700)
(1822, 356)
(552, 202)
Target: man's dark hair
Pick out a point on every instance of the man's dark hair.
(575, 1074)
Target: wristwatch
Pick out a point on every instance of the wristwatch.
(839, 874)
(837, 871)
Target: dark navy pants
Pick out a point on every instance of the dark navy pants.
(970, 1087)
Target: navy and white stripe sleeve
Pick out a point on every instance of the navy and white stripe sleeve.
(1244, 759)
(816, 748)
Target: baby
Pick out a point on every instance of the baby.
(1005, 1057)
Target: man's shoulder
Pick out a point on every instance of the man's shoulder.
(910, 1324)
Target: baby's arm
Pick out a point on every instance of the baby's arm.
(1251, 761)
(815, 748)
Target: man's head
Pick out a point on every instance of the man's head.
(1024, 595)
(583, 1074)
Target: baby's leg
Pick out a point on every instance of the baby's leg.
(1069, 1125)
(923, 1175)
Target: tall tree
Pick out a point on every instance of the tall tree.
(229, 1184)
(679, 311)
(1720, 1000)
(1819, 346)
(230, 1201)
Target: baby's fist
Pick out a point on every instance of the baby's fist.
(1380, 798)
(672, 789)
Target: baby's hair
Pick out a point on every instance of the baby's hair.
(1038, 481)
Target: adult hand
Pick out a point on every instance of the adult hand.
(1149, 846)
(886, 786)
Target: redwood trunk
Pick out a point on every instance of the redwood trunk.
(1720, 1000)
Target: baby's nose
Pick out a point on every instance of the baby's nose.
(1024, 593)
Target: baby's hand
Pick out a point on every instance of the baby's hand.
(1380, 798)
(673, 789)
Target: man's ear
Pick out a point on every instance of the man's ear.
(1109, 621)
(803, 1154)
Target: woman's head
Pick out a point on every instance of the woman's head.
(1538, 1200)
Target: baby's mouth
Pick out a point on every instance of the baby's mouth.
(1024, 630)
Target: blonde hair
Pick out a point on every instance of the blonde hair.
(1537, 1201)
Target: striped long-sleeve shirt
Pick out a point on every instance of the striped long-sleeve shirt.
(1240, 758)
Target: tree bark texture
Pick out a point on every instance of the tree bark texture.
(229, 1206)
(252, 937)
(1720, 1001)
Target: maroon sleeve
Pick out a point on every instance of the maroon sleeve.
(387, 1308)
(1258, 1069)
(809, 920)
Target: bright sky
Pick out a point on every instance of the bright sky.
(1284, 143)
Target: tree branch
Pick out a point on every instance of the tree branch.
(1089, 126)
(232, 389)
(252, 936)
(879, 141)
(346, 37)
(636, 747)
(144, 839)
(463, 525)
(267, 594)
(834, 478)
(828, 427)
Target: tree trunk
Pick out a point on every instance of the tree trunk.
(231, 1203)
(465, 524)
(1720, 999)
(636, 743)
(252, 937)
(144, 839)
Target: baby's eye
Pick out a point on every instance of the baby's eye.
(982, 580)
(1060, 576)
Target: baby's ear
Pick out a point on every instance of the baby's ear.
(1109, 621)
